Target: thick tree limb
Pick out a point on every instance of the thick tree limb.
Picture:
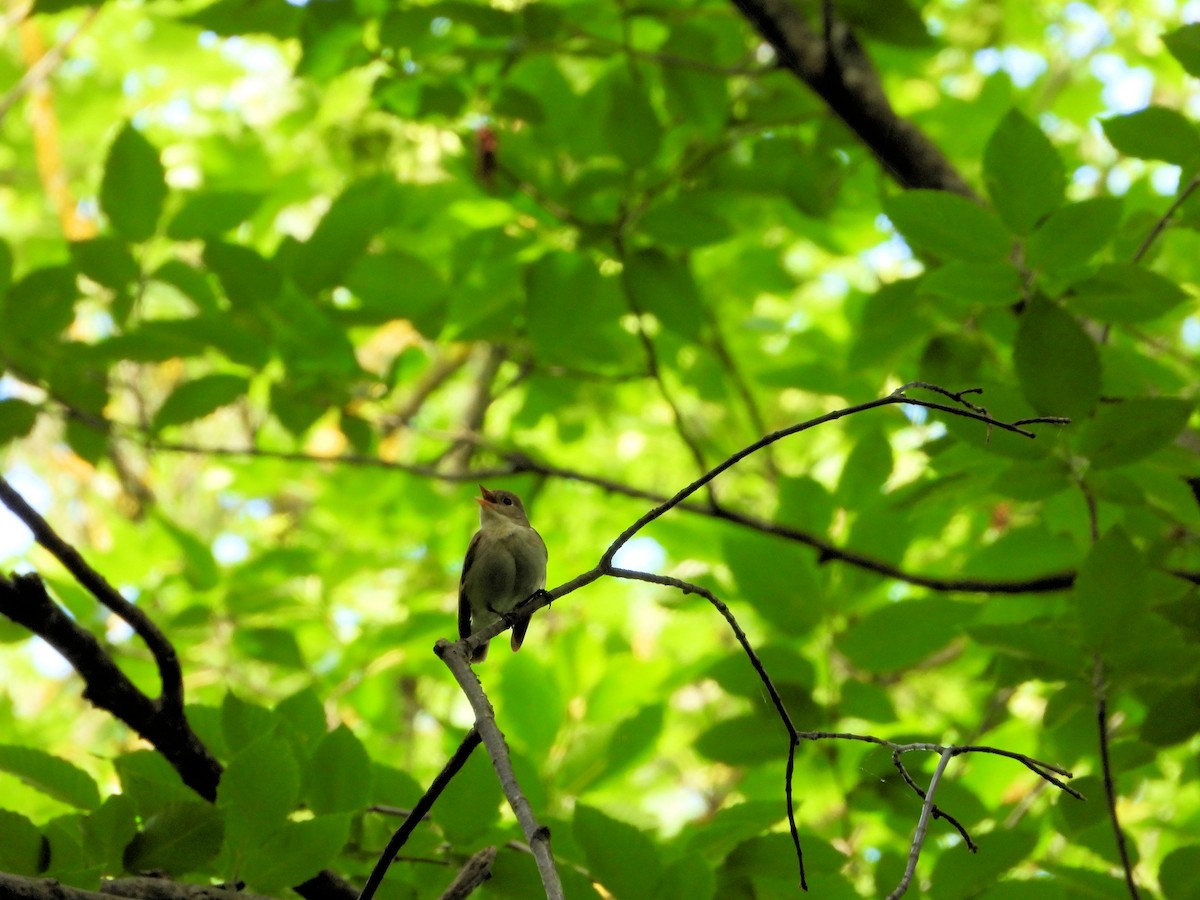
(164, 652)
(24, 600)
(15, 887)
(842, 75)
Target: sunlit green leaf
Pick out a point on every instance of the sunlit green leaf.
(51, 775)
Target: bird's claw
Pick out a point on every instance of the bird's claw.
(510, 618)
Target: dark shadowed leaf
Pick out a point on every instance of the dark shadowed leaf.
(134, 186)
(208, 214)
(295, 853)
(1125, 292)
(1155, 133)
(1024, 174)
(20, 844)
(1184, 44)
(1056, 362)
(623, 859)
(339, 774)
(1109, 592)
(196, 399)
(177, 839)
(948, 226)
(1072, 235)
(1122, 433)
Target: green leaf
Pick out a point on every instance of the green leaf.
(247, 278)
(621, 858)
(273, 645)
(208, 214)
(134, 186)
(778, 578)
(399, 286)
(51, 775)
(105, 260)
(343, 233)
(901, 634)
(49, 7)
(532, 704)
(865, 474)
(17, 419)
(1179, 874)
(243, 722)
(304, 711)
(1122, 433)
(573, 313)
(470, 805)
(991, 284)
(1155, 133)
(747, 740)
(6, 267)
(1125, 292)
(20, 845)
(200, 568)
(658, 284)
(1056, 362)
(1110, 590)
(294, 853)
(948, 226)
(1023, 172)
(39, 306)
(630, 124)
(339, 774)
(258, 790)
(962, 875)
(150, 782)
(109, 830)
(689, 220)
(69, 862)
(1184, 45)
(1072, 235)
(198, 398)
(179, 838)
(697, 97)
(1173, 718)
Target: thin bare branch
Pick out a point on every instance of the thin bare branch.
(537, 835)
(419, 811)
(918, 840)
(1165, 219)
(475, 872)
(1100, 688)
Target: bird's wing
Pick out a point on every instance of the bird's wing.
(519, 629)
(464, 604)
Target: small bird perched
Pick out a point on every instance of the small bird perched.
(505, 564)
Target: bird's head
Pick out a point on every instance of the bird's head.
(500, 506)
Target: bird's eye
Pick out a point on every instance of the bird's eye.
(508, 501)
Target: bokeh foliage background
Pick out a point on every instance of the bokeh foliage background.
(612, 242)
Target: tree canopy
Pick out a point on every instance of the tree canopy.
(844, 355)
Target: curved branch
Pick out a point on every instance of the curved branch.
(164, 652)
(839, 71)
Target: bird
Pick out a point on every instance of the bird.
(504, 566)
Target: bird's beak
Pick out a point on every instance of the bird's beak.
(486, 499)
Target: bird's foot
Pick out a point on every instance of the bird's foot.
(510, 618)
(539, 594)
